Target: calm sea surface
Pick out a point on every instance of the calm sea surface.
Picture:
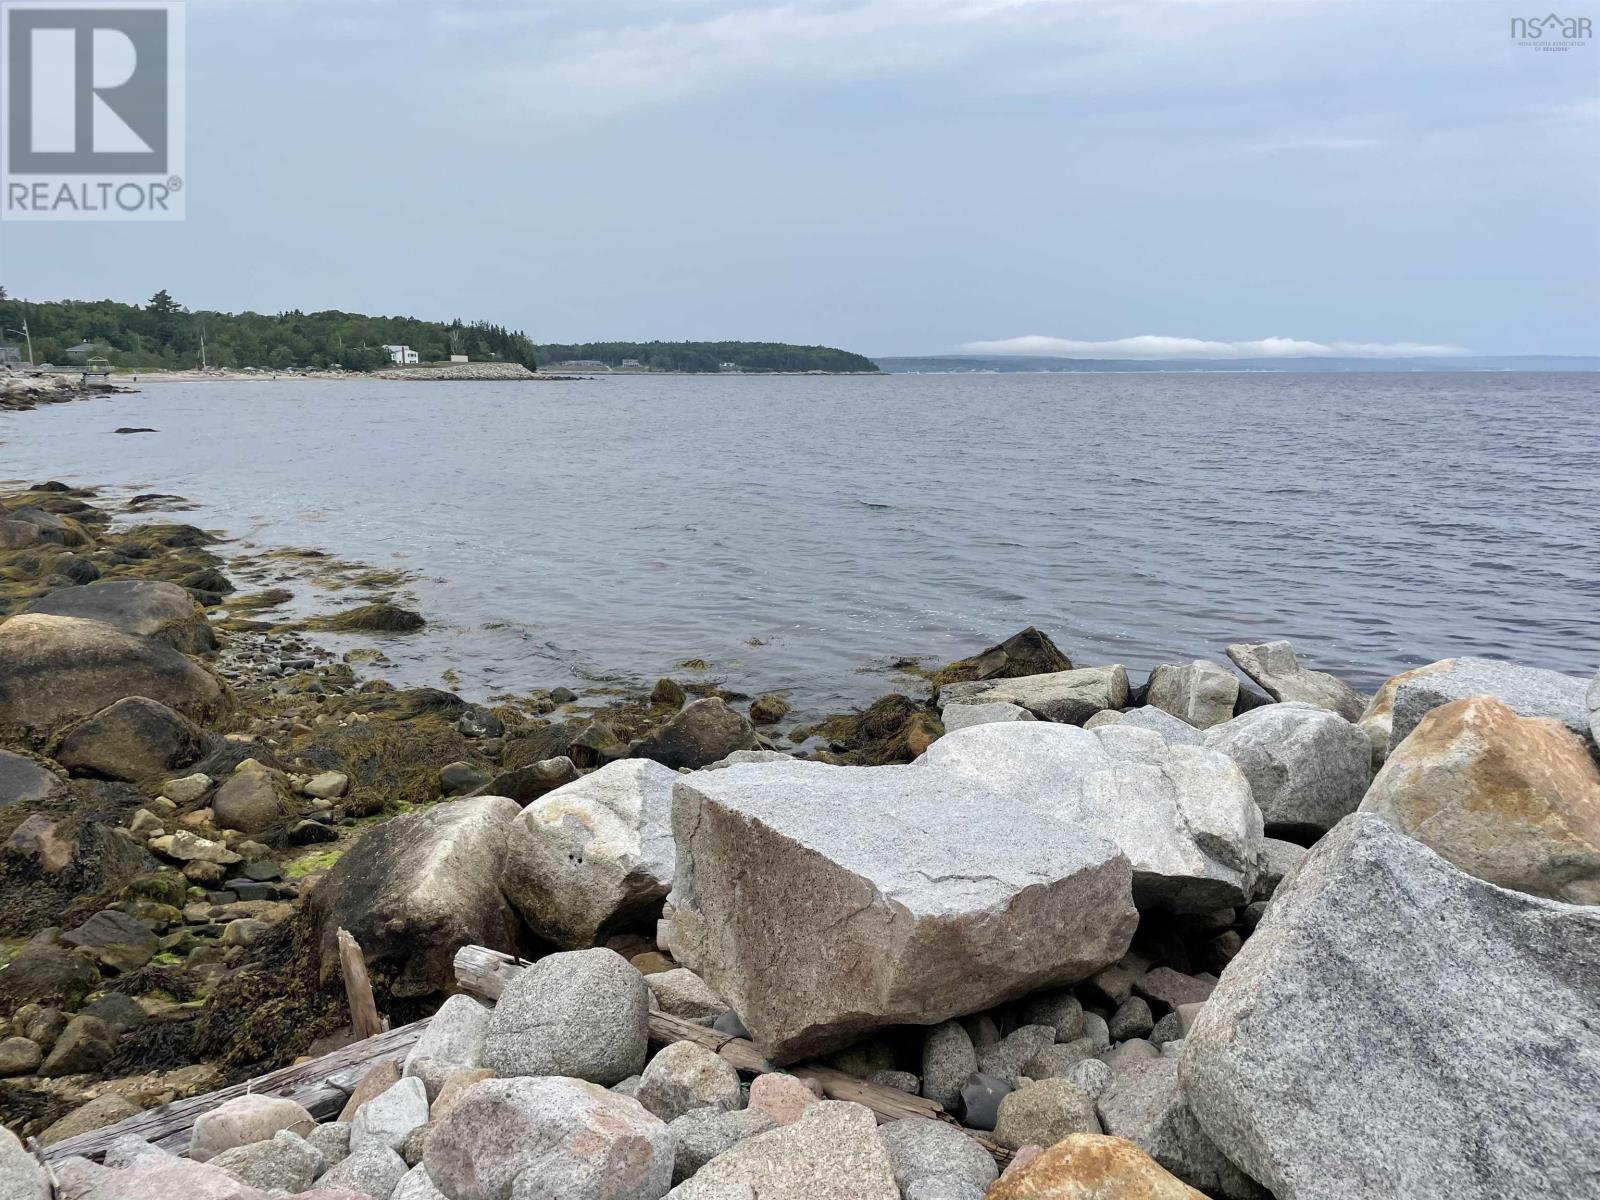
(800, 534)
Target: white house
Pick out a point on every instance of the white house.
(402, 356)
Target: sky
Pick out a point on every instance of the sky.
(1199, 179)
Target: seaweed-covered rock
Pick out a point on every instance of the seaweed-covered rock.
(698, 735)
(133, 739)
(144, 607)
(254, 799)
(1027, 653)
(57, 670)
(416, 889)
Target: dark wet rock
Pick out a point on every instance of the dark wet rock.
(667, 693)
(527, 784)
(371, 618)
(44, 972)
(84, 1047)
(115, 940)
(1027, 653)
(980, 1099)
(57, 670)
(133, 739)
(892, 729)
(24, 781)
(144, 607)
(698, 736)
(417, 888)
(459, 778)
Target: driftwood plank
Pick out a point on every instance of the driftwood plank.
(310, 1084)
(484, 972)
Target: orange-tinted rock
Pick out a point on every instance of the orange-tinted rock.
(1087, 1166)
(1512, 800)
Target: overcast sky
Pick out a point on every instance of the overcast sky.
(891, 176)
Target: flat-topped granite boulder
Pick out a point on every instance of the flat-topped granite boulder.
(1526, 691)
(1182, 814)
(1201, 693)
(1070, 697)
(144, 607)
(1396, 1027)
(822, 902)
(593, 852)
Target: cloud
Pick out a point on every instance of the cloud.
(1157, 346)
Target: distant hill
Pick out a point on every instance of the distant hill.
(958, 363)
(709, 356)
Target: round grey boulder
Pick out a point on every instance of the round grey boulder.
(583, 1014)
(920, 1149)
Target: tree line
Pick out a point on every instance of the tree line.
(163, 334)
(709, 356)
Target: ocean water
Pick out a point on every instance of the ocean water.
(800, 534)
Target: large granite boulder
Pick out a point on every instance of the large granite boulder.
(133, 739)
(21, 1176)
(1144, 1103)
(581, 1013)
(57, 670)
(1275, 667)
(1396, 1027)
(1070, 697)
(24, 781)
(1183, 815)
(1200, 692)
(1513, 800)
(823, 902)
(417, 888)
(1308, 768)
(832, 1152)
(1526, 691)
(143, 607)
(1091, 1166)
(594, 853)
(698, 735)
(516, 1139)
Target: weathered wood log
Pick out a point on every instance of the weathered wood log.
(321, 1085)
(485, 973)
(364, 1020)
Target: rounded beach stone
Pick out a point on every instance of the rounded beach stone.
(1043, 1113)
(243, 1120)
(684, 1077)
(947, 1060)
(583, 1014)
(923, 1149)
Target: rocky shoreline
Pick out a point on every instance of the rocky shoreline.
(1235, 930)
(21, 392)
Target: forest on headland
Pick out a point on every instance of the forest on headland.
(163, 334)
